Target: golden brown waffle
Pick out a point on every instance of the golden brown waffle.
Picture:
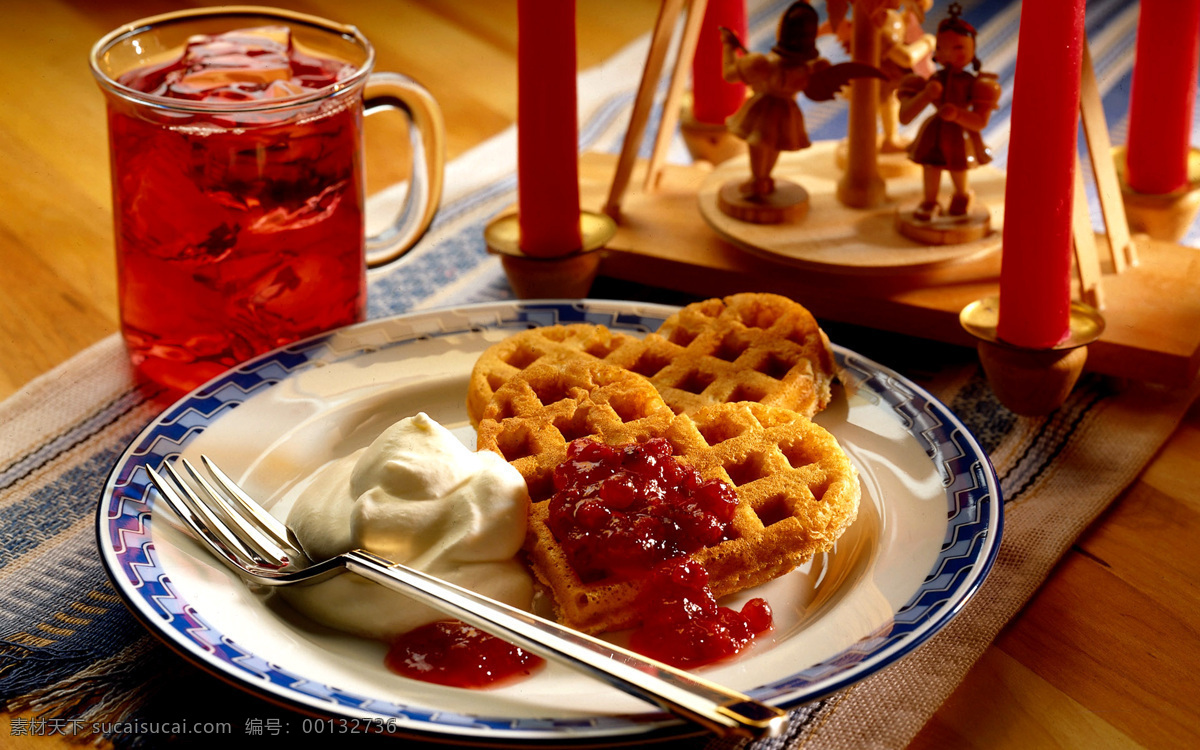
(501, 361)
(748, 347)
(797, 490)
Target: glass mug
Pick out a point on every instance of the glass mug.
(235, 139)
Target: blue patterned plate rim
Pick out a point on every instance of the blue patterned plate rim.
(125, 518)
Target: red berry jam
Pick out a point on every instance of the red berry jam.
(682, 624)
(621, 510)
(450, 652)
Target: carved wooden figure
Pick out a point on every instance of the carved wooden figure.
(771, 121)
(950, 140)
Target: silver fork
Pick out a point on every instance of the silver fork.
(265, 551)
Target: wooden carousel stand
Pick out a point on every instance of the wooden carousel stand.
(1152, 310)
(855, 264)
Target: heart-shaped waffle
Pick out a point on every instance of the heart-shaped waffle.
(797, 490)
(747, 347)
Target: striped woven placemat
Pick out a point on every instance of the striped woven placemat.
(72, 654)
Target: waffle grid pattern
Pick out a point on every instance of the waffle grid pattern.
(747, 347)
(797, 489)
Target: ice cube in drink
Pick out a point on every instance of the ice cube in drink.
(237, 231)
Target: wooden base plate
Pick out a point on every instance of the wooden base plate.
(1152, 309)
(944, 229)
(786, 204)
(838, 239)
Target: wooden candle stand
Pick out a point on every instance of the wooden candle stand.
(851, 265)
(1031, 382)
(534, 277)
(836, 238)
(706, 141)
(1167, 216)
(1152, 308)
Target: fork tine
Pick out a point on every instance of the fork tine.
(277, 531)
(226, 547)
(249, 535)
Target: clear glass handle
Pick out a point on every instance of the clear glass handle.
(427, 134)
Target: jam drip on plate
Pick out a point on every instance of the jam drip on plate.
(450, 652)
(685, 627)
(619, 511)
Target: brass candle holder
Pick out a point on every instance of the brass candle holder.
(706, 141)
(1166, 216)
(1031, 382)
(560, 276)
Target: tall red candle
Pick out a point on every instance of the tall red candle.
(1035, 270)
(713, 98)
(547, 128)
(1162, 95)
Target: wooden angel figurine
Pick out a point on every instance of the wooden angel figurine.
(770, 121)
(949, 140)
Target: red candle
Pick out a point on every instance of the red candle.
(713, 98)
(1162, 95)
(547, 128)
(1035, 272)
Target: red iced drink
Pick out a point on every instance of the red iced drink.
(238, 204)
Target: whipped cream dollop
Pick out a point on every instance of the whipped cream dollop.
(416, 496)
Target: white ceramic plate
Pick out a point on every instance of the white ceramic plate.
(927, 532)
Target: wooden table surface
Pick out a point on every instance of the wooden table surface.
(1081, 666)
